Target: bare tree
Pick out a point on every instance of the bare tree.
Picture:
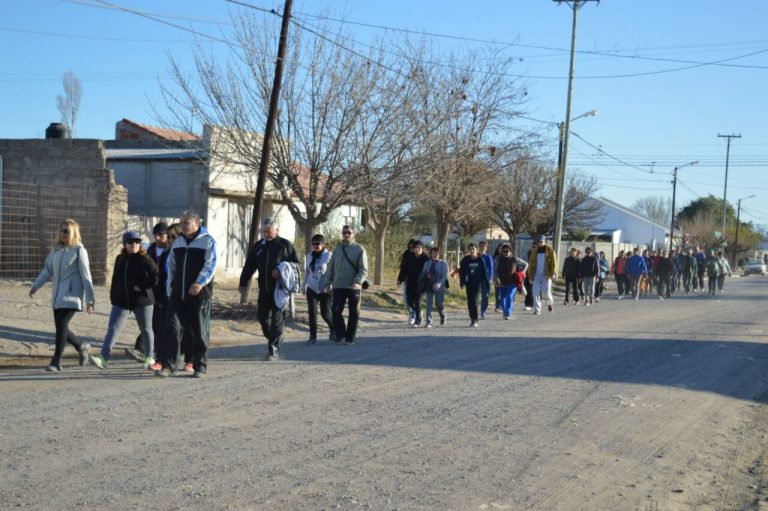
(69, 104)
(579, 212)
(321, 142)
(466, 110)
(658, 208)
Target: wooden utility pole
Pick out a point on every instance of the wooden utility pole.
(266, 148)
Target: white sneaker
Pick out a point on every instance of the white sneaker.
(411, 320)
(621, 297)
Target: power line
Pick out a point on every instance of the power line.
(92, 37)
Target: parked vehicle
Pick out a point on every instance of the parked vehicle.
(754, 266)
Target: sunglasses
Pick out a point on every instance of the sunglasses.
(133, 242)
(346, 232)
(316, 244)
(63, 231)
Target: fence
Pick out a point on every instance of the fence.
(30, 216)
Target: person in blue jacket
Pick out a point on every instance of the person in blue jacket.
(636, 269)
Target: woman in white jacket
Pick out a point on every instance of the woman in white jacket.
(315, 266)
(67, 269)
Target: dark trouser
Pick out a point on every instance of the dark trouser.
(712, 281)
(340, 298)
(620, 283)
(720, 281)
(61, 318)
(528, 292)
(271, 319)
(324, 299)
(635, 280)
(664, 285)
(414, 298)
(158, 325)
(496, 303)
(185, 315)
(472, 291)
(701, 279)
(687, 282)
(573, 285)
(599, 287)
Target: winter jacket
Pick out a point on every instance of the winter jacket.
(435, 273)
(604, 267)
(68, 269)
(726, 266)
(713, 266)
(346, 270)
(589, 267)
(313, 277)
(636, 265)
(472, 271)
(571, 266)
(488, 260)
(411, 267)
(160, 261)
(192, 261)
(263, 257)
(550, 270)
(133, 271)
(688, 265)
(664, 267)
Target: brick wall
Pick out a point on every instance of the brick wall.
(64, 178)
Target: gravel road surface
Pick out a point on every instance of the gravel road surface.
(624, 405)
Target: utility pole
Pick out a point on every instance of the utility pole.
(674, 191)
(266, 148)
(725, 187)
(575, 5)
(738, 219)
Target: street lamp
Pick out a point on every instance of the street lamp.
(561, 180)
(674, 190)
(736, 240)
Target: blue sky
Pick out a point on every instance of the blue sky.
(655, 101)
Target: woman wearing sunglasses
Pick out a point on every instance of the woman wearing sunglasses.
(133, 278)
(67, 269)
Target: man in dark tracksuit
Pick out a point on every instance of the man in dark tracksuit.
(264, 257)
(688, 269)
(189, 287)
(410, 271)
(664, 270)
(571, 266)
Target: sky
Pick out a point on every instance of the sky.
(666, 77)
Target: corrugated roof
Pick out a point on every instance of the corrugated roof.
(154, 154)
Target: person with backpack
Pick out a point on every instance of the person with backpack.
(434, 279)
(346, 278)
(264, 257)
(637, 270)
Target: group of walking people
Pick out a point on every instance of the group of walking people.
(168, 287)
(664, 273)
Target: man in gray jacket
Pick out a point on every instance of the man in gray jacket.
(346, 274)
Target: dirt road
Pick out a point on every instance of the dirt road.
(624, 405)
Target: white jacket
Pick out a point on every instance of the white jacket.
(314, 279)
(67, 268)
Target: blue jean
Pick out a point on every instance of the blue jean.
(438, 299)
(485, 292)
(507, 299)
(117, 317)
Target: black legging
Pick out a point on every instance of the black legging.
(61, 318)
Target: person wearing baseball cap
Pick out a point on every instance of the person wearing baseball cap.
(133, 279)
